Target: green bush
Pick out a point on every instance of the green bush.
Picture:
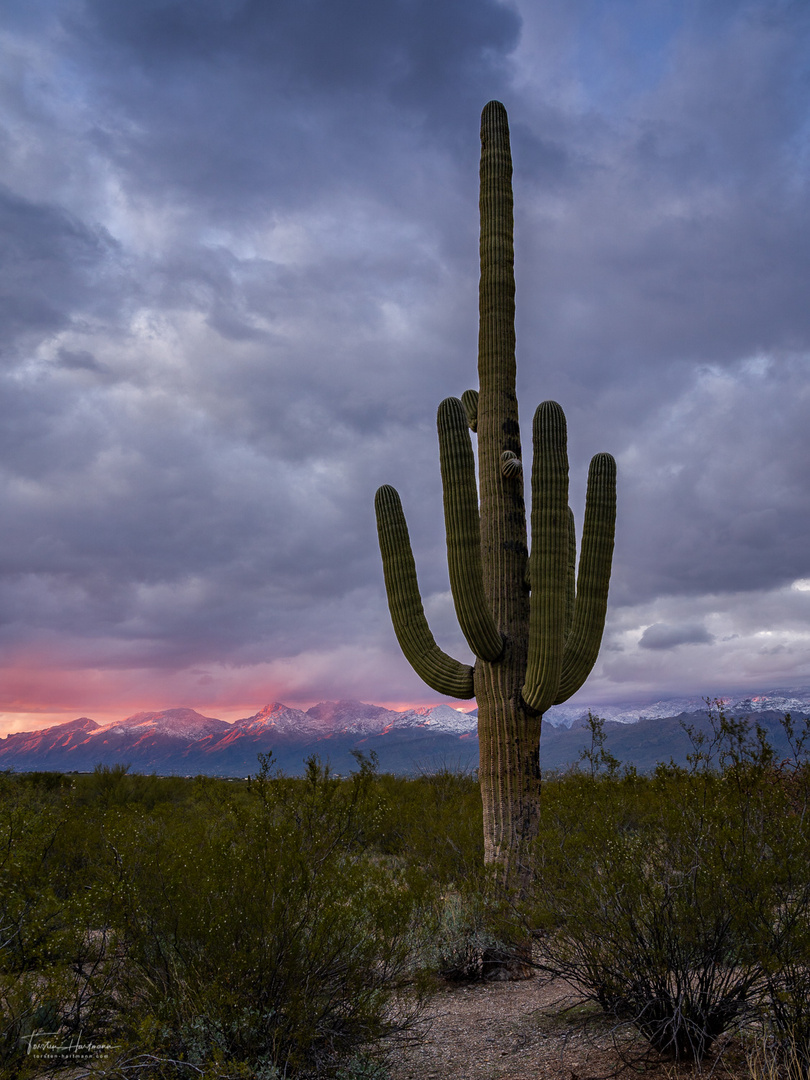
(261, 927)
(674, 901)
(56, 962)
(285, 926)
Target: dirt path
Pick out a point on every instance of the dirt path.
(502, 1031)
(522, 1031)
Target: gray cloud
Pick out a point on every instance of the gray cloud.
(48, 267)
(240, 272)
(663, 636)
(237, 102)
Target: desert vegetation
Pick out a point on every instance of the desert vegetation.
(679, 902)
(263, 928)
(295, 927)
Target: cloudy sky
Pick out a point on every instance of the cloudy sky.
(238, 272)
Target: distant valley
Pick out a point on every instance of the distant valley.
(182, 741)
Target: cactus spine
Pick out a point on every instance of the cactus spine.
(534, 629)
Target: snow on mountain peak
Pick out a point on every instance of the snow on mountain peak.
(439, 718)
(275, 717)
(329, 718)
(177, 723)
(734, 705)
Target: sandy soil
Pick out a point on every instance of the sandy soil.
(528, 1031)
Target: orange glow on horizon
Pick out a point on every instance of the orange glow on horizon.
(48, 684)
(36, 693)
(32, 718)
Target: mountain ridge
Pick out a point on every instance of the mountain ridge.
(182, 740)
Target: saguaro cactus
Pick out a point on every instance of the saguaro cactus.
(534, 629)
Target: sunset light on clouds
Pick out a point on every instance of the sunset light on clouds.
(239, 272)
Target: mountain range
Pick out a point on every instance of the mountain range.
(182, 741)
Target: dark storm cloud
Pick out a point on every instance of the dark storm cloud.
(240, 272)
(720, 499)
(234, 101)
(665, 271)
(49, 262)
(128, 522)
(663, 636)
(411, 45)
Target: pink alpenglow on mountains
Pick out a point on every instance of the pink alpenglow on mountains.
(418, 740)
(172, 723)
(185, 742)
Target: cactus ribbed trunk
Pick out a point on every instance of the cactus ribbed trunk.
(534, 630)
(509, 734)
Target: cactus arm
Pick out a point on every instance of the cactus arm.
(590, 606)
(436, 668)
(571, 579)
(549, 557)
(570, 585)
(464, 531)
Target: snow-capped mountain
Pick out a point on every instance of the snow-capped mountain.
(440, 718)
(183, 741)
(276, 718)
(46, 742)
(783, 701)
(173, 723)
(342, 717)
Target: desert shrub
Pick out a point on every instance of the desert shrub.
(640, 917)
(435, 821)
(780, 790)
(451, 935)
(261, 926)
(115, 785)
(771, 1056)
(56, 963)
(674, 901)
(785, 936)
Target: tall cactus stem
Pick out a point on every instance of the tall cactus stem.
(503, 518)
(571, 577)
(534, 622)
